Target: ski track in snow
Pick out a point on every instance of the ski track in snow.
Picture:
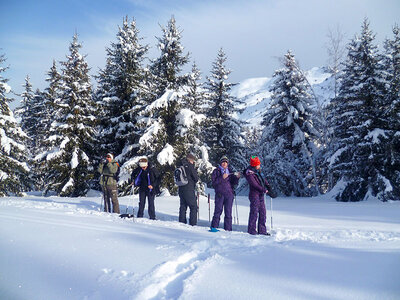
(175, 277)
(167, 281)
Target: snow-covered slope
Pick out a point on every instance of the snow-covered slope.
(65, 248)
(254, 92)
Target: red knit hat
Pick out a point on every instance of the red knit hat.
(254, 161)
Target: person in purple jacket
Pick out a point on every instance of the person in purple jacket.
(223, 182)
(258, 187)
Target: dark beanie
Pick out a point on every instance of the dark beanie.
(190, 156)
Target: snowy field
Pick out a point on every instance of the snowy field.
(65, 248)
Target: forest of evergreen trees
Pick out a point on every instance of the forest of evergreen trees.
(150, 107)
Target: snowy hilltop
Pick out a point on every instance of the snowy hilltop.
(65, 248)
(256, 95)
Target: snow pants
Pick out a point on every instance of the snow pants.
(188, 200)
(223, 202)
(110, 195)
(257, 211)
(142, 202)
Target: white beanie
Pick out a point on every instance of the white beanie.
(143, 162)
(110, 155)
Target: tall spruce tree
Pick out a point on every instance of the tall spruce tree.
(167, 68)
(121, 93)
(390, 182)
(33, 113)
(69, 159)
(162, 139)
(357, 119)
(14, 171)
(222, 130)
(191, 118)
(194, 97)
(289, 137)
(24, 111)
(51, 94)
(26, 100)
(46, 115)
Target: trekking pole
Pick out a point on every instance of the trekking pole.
(237, 213)
(209, 213)
(234, 216)
(266, 210)
(198, 205)
(101, 202)
(271, 214)
(133, 203)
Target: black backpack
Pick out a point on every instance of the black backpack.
(180, 176)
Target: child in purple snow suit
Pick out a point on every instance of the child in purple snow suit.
(258, 187)
(223, 181)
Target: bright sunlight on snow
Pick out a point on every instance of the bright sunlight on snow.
(65, 248)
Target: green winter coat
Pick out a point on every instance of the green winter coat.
(108, 173)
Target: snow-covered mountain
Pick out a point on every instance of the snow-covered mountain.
(255, 94)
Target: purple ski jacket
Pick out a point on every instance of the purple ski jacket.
(257, 187)
(221, 185)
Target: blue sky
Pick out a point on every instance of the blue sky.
(253, 33)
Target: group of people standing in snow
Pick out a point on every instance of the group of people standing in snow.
(224, 180)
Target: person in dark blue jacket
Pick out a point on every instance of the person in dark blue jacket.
(147, 178)
(186, 192)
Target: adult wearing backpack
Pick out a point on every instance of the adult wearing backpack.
(223, 181)
(147, 178)
(187, 192)
(258, 187)
(108, 181)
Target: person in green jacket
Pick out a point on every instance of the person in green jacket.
(109, 184)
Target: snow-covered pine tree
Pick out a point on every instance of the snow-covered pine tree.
(24, 111)
(194, 98)
(32, 112)
(120, 93)
(46, 114)
(167, 68)
(222, 130)
(390, 184)
(51, 94)
(252, 138)
(289, 138)
(162, 140)
(69, 159)
(356, 119)
(41, 114)
(14, 171)
(190, 121)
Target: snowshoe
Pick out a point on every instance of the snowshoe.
(212, 229)
(123, 216)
